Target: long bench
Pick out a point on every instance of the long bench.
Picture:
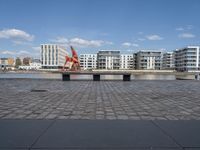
(96, 75)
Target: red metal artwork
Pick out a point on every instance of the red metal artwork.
(73, 62)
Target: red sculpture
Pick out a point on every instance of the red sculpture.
(73, 62)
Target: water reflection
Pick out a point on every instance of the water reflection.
(30, 76)
(153, 77)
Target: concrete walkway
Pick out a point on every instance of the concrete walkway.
(136, 115)
(99, 134)
(112, 100)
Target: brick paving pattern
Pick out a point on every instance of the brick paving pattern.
(135, 100)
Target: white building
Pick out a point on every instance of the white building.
(126, 61)
(88, 61)
(7, 63)
(168, 60)
(108, 59)
(32, 66)
(187, 59)
(52, 56)
(35, 65)
(148, 60)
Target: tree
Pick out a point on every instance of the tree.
(18, 62)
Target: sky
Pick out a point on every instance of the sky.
(92, 25)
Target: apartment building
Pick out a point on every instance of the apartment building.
(187, 59)
(26, 61)
(108, 59)
(7, 62)
(148, 59)
(168, 60)
(88, 61)
(52, 56)
(126, 61)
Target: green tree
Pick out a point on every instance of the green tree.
(18, 62)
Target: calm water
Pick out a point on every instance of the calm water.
(84, 77)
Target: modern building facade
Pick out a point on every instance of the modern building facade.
(187, 59)
(4, 62)
(126, 61)
(108, 59)
(148, 60)
(27, 61)
(31, 66)
(168, 60)
(52, 56)
(7, 62)
(88, 61)
(134, 61)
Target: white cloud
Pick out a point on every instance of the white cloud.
(135, 45)
(189, 27)
(6, 52)
(141, 39)
(154, 37)
(79, 42)
(15, 34)
(186, 35)
(86, 43)
(180, 29)
(36, 48)
(22, 52)
(61, 40)
(108, 42)
(128, 44)
(186, 29)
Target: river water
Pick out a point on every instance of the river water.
(85, 77)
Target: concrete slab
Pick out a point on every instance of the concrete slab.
(198, 148)
(186, 133)
(116, 148)
(20, 134)
(106, 134)
(13, 149)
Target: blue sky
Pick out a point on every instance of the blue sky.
(90, 25)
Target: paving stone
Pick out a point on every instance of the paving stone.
(122, 117)
(100, 117)
(51, 116)
(145, 100)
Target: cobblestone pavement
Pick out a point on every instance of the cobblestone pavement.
(135, 100)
